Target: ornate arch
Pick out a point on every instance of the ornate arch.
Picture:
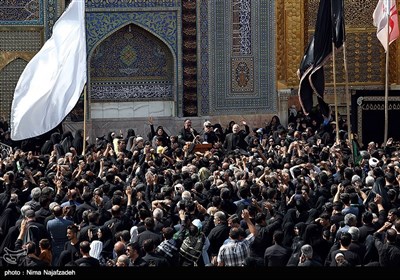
(127, 78)
(163, 25)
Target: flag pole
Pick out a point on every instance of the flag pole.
(334, 90)
(346, 85)
(84, 120)
(84, 95)
(334, 72)
(387, 74)
(346, 77)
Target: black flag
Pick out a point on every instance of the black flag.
(329, 28)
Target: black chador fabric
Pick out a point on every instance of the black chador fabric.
(379, 188)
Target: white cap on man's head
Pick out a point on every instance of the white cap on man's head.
(373, 162)
(339, 255)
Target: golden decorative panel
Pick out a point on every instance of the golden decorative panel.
(365, 56)
(293, 45)
(8, 57)
(280, 41)
(357, 13)
(365, 61)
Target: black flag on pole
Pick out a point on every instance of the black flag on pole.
(329, 28)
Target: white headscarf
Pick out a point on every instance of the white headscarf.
(95, 249)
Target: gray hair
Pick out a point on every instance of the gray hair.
(369, 180)
(185, 168)
(35, 193)
(52, 205)
(158, 213)
(186, 195)
(220, 215)
(350, 219)
(24, 209)
(193, 168)
(355, 233)
(307, 251)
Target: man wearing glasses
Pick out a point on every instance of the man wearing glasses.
(208, 135)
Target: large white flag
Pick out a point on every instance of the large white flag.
(52, 82)
(380, 20)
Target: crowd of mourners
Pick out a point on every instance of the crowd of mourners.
(295, 195)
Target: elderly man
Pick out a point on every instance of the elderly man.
(236, 139)
(207, 134)
(188, 133)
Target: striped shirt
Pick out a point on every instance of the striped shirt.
(235, 252)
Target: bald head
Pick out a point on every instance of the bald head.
(72, 193)
(225, 165)
(57, 210)
(115, 210)
(119, 248)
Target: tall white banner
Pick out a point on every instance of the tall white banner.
(52, 82)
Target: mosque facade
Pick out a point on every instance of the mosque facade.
(216, 60)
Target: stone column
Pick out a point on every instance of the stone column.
(283, 108)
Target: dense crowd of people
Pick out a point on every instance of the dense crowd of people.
(295, 195)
